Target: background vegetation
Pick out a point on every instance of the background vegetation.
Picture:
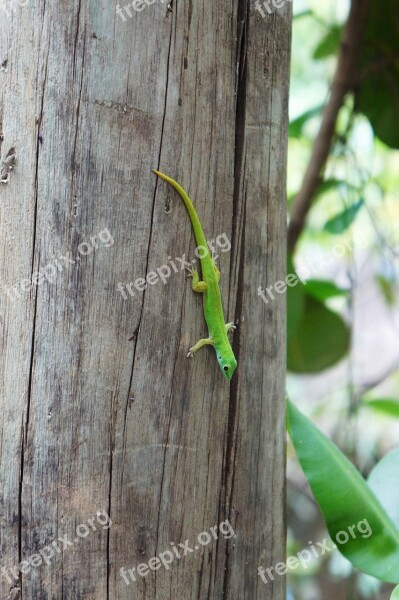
(343, 325)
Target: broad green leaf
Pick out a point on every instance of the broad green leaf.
(323, 289)
(378, 99)
(344, 219)
(388, 406)
(295, 301)
(395, 594)
(346, 501)
(377, 94)
(329, 45)
(320, 340)
(384, 481)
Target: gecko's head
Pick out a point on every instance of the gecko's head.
(228, 364)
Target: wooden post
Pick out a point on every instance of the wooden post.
(104, 419)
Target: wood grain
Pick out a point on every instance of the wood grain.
(101, 410)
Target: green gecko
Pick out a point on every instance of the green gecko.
(209, 287)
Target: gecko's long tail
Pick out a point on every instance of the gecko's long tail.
(198, 231)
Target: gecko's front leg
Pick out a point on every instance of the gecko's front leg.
(198, 345)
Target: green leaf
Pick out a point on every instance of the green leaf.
(344, 219)
(296, 125)
(320, 340)
(329, 45)
(378, 99)
(387, 406)
(377, 95)
(295, 301)
(384, 482)
(323, 290)
(395, 594)
(346, 501)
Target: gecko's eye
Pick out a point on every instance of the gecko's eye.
(225, 368)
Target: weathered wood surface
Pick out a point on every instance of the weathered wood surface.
(101, 410)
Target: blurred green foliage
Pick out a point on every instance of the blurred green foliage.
(355, 213)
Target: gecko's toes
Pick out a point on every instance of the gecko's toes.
(190, 354)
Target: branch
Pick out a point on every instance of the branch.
(343, 82)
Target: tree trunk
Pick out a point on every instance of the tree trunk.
(105, 420)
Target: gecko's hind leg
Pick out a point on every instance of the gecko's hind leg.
(197, 285)
(198, 345)
(230, 327)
